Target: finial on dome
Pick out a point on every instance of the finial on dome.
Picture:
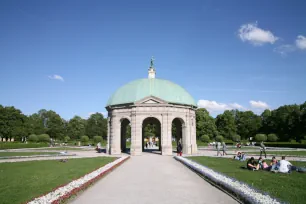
(152, 71)
(152, 62)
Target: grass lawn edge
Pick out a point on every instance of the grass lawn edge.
(237, 194)
(84, 186)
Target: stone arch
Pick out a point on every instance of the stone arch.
(124, 122)
(158, 131)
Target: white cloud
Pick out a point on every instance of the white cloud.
(301, 42)
(213, 106)
(259, 104)
(56, 77)
(255, 35)
(284, 49)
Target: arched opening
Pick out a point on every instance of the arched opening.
(177, 132)
(151, 135)
(125, 136)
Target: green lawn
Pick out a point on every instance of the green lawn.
(22, 181)
(7, 154)
(18, 145)
(282, 153)
(66, 148)
(287, 187)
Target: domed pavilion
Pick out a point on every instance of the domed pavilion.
(151, 101)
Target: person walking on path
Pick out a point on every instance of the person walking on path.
(218, 148)
(263, 149)
(224, 148)
(179, 149)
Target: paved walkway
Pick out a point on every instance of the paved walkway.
(152, 179)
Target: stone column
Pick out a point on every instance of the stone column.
(194, 146)
(115, 136)
(108, 135)
(187, 136)
(166, 138)
(136, 135)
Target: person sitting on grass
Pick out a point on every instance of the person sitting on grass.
(251, 164)
(265, 166)
(243, 156)
(238, 156)
(283, 166)
(273, 163)
(259, 162)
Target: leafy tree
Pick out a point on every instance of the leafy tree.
(151, 130)
(97, 139)
(35, 124)
(84, 138)
(286, 120)
(96, 125)
(303, 119)
(236, 138)
(43, 138)
(272, 137)
(205, 138)
(12, 123)
(205, 124)
(76, 127)
(226, 124)
(128, 131)
(66, 138)
(54, 124)
(267, 124)
(219, 138)
(33, 138)
(260, 137)
(247, 123)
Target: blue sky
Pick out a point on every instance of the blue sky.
(69, 56)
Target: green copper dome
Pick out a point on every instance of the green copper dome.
(142, 88)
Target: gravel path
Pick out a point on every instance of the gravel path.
(152, 179)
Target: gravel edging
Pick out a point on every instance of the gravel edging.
(64, 192)
(237, 189)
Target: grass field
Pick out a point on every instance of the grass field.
(287, 187)
(7, 154)
(66, 148)
(22, 181)
(18, 145)
(281, 153)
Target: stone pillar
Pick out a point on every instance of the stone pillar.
(108, 135)
(187, 138)
(136, 135)
(115, 136)
(194, 146)
(166, 138)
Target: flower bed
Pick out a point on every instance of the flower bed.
(240, 189)
(64, 192)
